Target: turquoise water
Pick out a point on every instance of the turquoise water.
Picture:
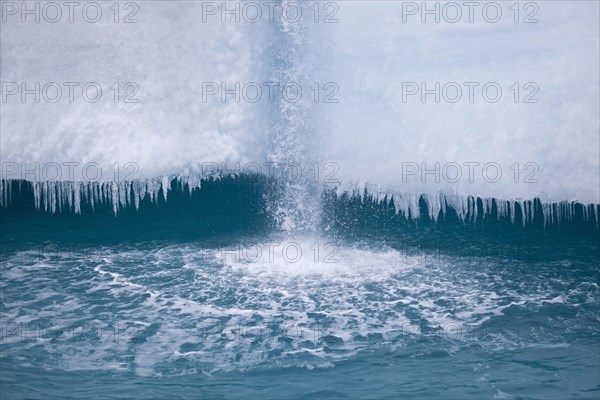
(180, 321)
(430, 311)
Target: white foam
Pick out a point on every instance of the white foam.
(217, 313)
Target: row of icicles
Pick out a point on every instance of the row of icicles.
(60, 196)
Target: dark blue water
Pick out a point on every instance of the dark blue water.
(200, 297)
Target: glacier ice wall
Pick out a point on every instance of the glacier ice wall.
(370, 133)
(169, 54)
(373, 133)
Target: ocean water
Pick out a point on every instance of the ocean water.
(154, 303)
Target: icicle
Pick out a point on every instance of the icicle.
(570, 211)
(523, 212)
(487, 207)
(114, 199)
(414, 206)
(58, 196)
(511, 210)
(5, 188)
(393, 199)
(92, 190)
(464, 208)
(102, 193)
(96, 190)
(135, 186)
(165, 184)
(443, 203)
(433, 205)
(77, 197)
(5, 197)
(409, 204)
(45, 196)
(546, 210)
(531, 210)
(499, 209)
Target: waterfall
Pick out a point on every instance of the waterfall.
(291, 128)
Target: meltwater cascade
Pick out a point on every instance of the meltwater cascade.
(292, 129)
